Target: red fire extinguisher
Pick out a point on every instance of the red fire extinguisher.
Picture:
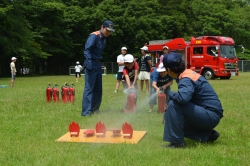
(65, 93)
(72, 93)
(48, 93)
(131, 101)
(56, 93)
(161, 101)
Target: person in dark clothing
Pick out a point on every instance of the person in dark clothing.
(94, 46)
(145, 67)
(194, 111)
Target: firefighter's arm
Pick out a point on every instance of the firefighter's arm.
(185, 91)
(89, 45)
(167, 85)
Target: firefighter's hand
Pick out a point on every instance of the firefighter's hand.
(163, 120)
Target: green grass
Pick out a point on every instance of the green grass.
(29, 127)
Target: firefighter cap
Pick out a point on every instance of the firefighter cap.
(109, 25)
(161, 68)
(124, 48)
(128, 58)
(165, 47)
(145, 48)
(172, 60)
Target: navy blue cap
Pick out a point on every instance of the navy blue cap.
(172, 60)
(109, 25)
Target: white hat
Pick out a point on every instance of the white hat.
(124, 48)
(145, 48)
(161, 68)
(128, 58)
(13, 58)
(77, 62)
(165, 47)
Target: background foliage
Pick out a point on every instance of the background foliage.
(49, 36)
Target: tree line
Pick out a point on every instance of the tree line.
(49, 36)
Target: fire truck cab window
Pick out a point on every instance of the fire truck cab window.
(212, 51)
(198, 50)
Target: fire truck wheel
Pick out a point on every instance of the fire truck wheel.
(208, 74)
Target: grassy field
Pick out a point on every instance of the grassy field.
(29, 127)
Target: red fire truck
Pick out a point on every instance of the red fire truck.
(211, 56)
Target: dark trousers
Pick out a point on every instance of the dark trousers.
(92, 95)
(188, 120)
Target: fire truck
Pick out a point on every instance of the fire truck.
(210, 56)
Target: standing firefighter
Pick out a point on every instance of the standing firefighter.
(94, 46)
(194, 111)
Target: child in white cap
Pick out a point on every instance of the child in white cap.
(130, 72)
(159, 79)
(13, 71)
(78, 69)
(120, 62)
(145, 67)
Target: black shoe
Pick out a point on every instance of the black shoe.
(86, 115)
(214, 136)
(96, 112)
(175, 145)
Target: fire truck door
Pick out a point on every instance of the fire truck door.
(196, 57)
(211, 55)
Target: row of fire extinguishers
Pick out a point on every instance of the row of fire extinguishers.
(67, 93)
(131, 101)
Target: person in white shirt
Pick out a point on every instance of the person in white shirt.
(13, 71)
(120, 62)
(78, 69)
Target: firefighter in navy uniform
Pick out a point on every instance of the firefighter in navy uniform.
(94, 46)
(194, 111)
